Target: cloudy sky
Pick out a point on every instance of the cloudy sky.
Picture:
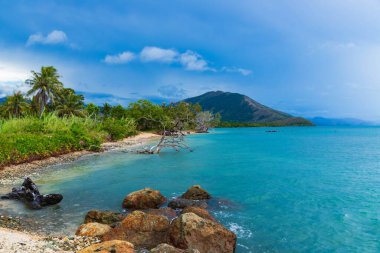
(309, 58)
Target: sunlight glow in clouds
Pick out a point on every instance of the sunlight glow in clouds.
(55, 37)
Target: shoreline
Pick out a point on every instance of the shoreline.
(11, 173)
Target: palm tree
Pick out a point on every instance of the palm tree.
(15, 105)
(45, 86)
(70, 104)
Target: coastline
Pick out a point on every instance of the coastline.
(12, 173)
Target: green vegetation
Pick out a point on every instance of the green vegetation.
(51, 120)
(294, 121)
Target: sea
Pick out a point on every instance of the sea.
(290, 189)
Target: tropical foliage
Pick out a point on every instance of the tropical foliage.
(52, 119)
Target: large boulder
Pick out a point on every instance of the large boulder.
(144, 199)
(114, 246)
(166, 211)
(196, 192)
(104, 217)
(180, 203)
(203, 213)
(93, 229)
(191, 231)
(166, 248)
(141, 229)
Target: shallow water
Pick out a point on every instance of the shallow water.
(310, 189)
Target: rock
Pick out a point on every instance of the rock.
(166, 211)
(191, 231)
(104, 217)
(29, 193)
(114, 246)
(180, 203)
(166, 248)
(203, 213)
(144, 199)
(93, 229)
(141, 229)
(196, 192)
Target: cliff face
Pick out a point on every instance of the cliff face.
(235, 107)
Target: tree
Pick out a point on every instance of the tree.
(92, 110)
(45, 86)
(205, 120)
(118, 112)
(70, 104)
(15, 105)
(106, 110)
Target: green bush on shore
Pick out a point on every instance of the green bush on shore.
(30, 138)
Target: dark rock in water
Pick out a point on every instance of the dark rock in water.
(29, 193)
(180, 203)
(196, 192)
(104, 217)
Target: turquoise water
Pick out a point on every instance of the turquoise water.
(310, 189)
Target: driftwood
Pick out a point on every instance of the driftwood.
(29, 193)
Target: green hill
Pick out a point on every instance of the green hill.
(237, 108)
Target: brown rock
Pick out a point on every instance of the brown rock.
(104, 217)
(144, 199)
(180, 203)
(196, 192)
(203, 213)
(141, 229)
(93, 229)
(114, 246)
(166, 248)
(191, 231)
(166, 211)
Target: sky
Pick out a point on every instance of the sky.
(308, 58)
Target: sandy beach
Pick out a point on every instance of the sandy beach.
(12, 173)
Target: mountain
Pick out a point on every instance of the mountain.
(320, 121)
(2, 100)
(239, 108)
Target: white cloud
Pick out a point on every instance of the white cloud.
(7, 88)
(157, 54)
(121, 58)
(54, 37)
(193, 61)
(244, 72)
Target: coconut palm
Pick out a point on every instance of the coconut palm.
(45, 87)
(70, 104)
(15, 105)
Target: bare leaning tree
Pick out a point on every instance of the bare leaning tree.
(172, 131)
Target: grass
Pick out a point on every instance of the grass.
(29, 138)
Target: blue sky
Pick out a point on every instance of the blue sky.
(308, 58)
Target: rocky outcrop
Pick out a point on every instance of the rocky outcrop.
(141, 229)
(114, 246)
(203, 213)
(93, 229)
(196, 192)
(30, 195)
(104, 217)
(144, 199)
(180, 203)
(191, 231)
(166, 248)
(166, 211)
